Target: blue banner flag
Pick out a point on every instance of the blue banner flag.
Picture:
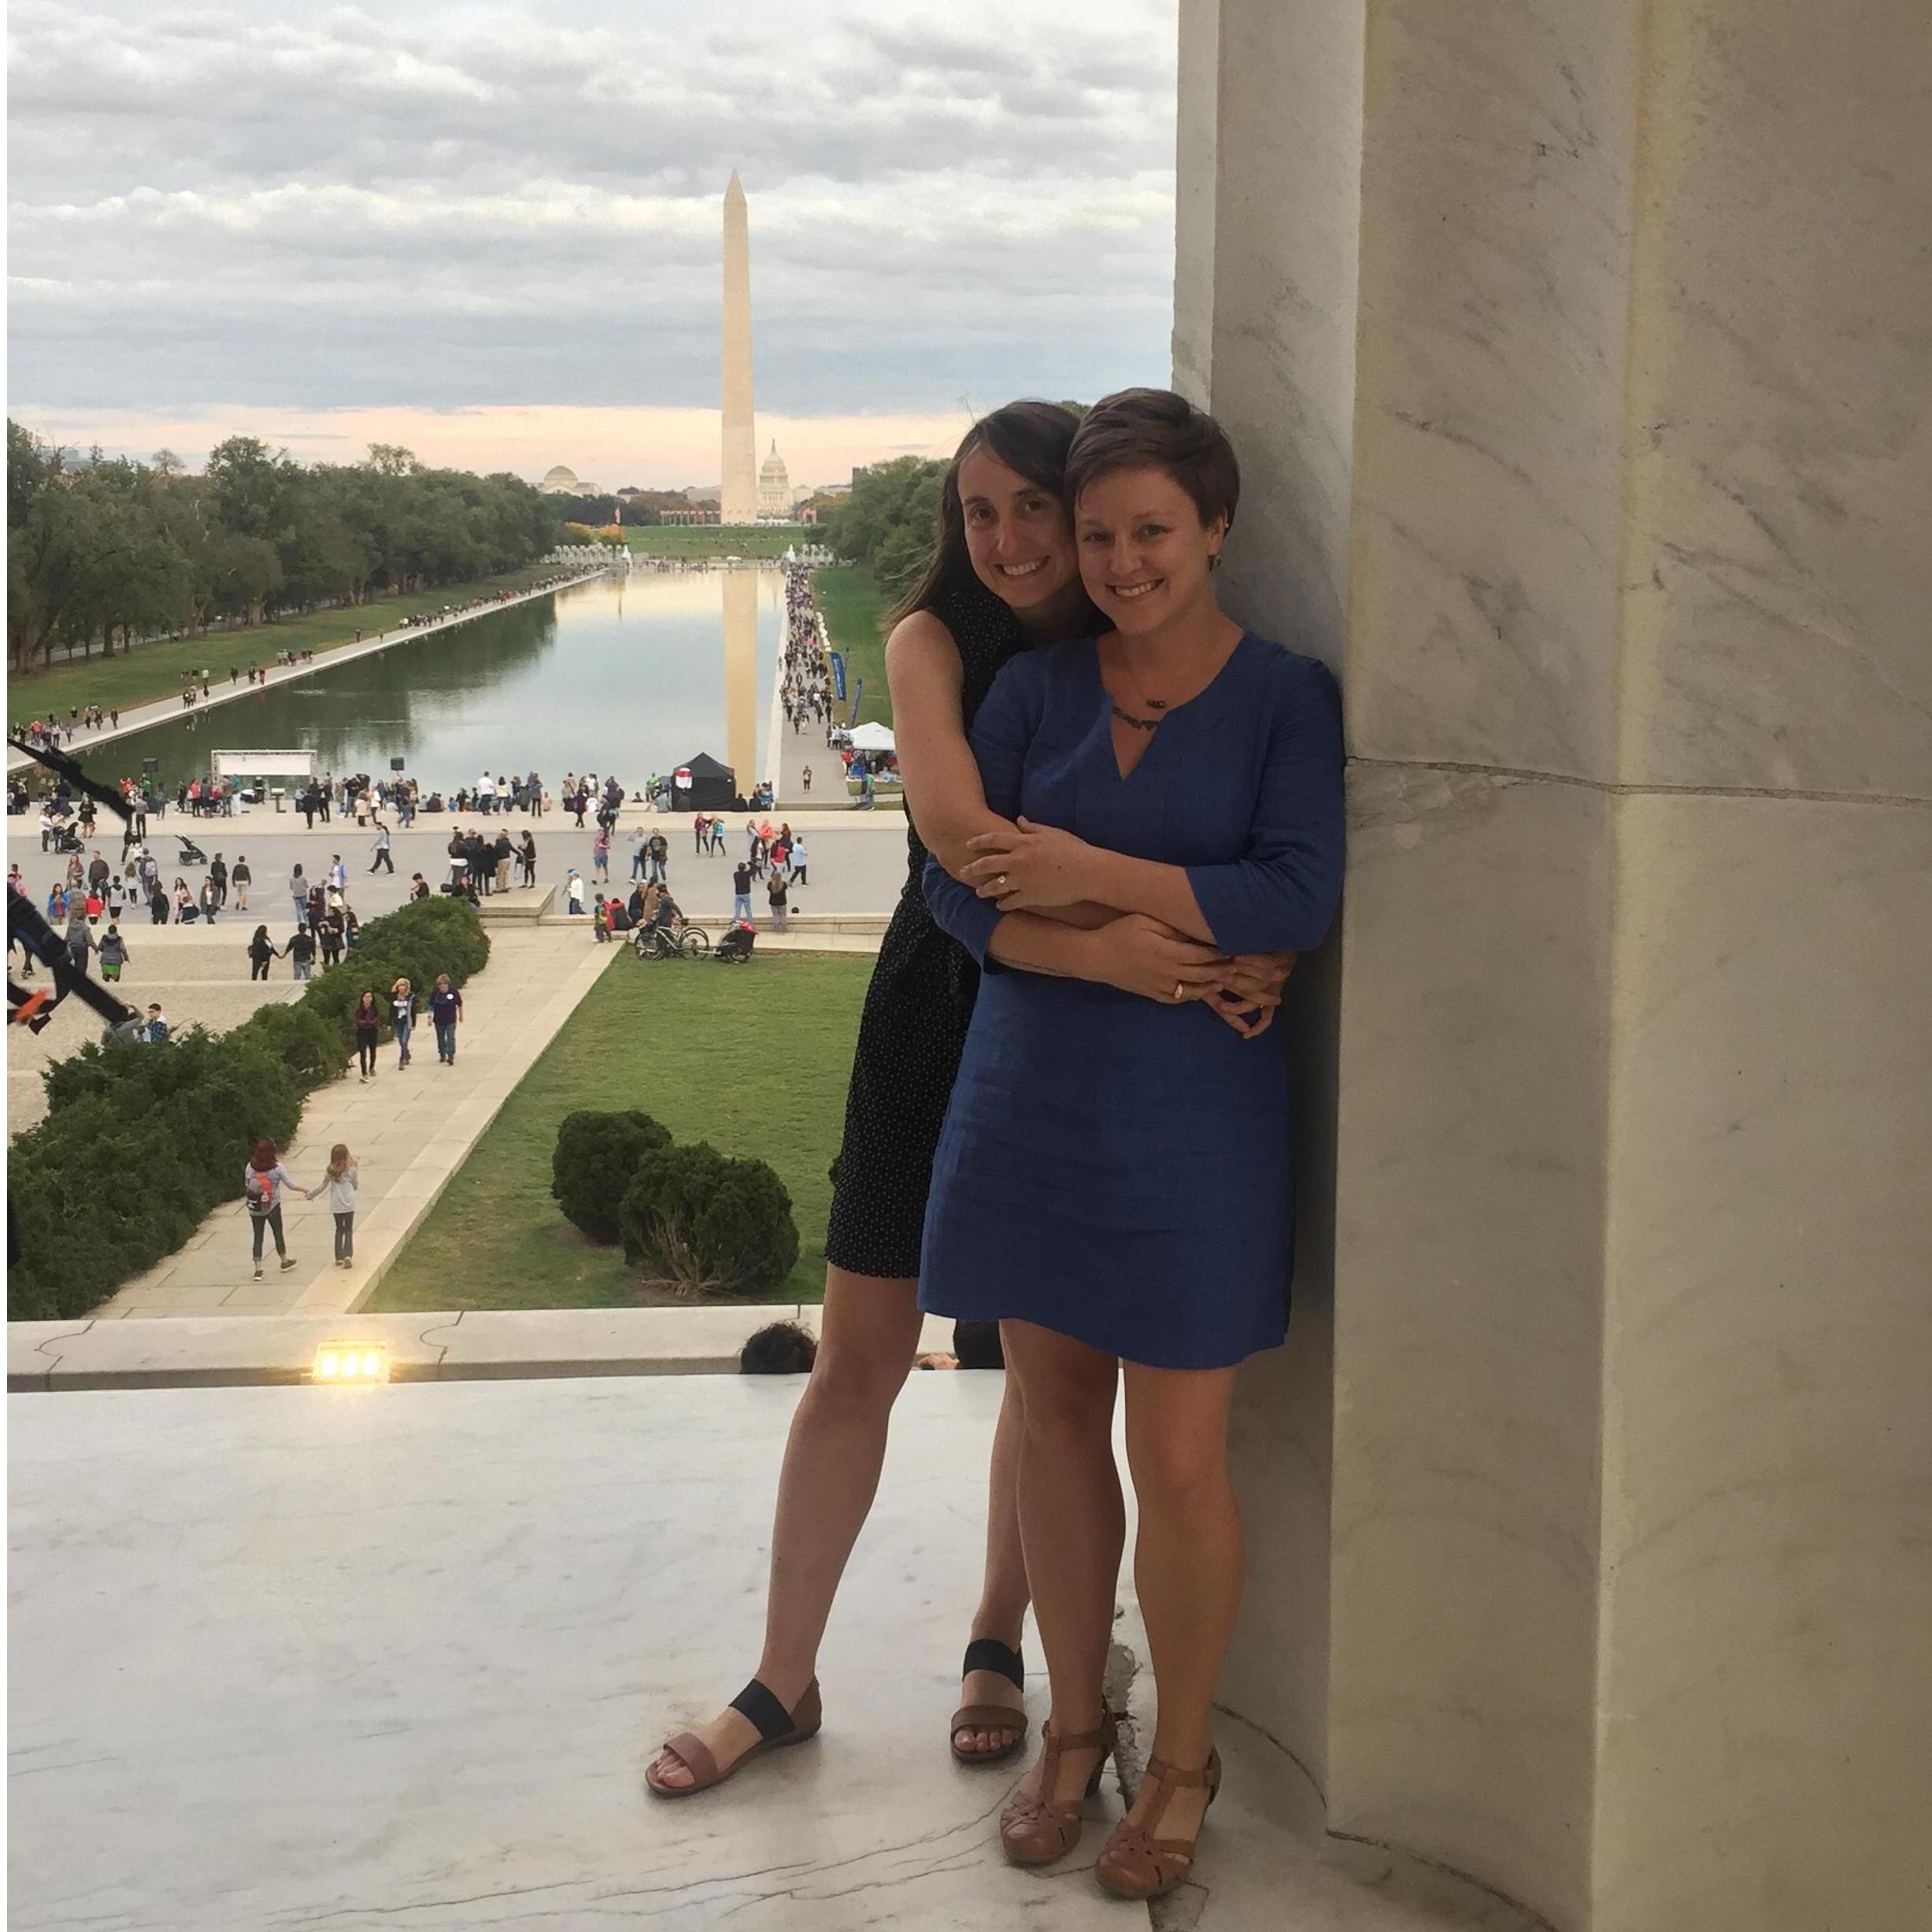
(838, 675)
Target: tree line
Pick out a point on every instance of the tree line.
(108, 551)
(889, 521)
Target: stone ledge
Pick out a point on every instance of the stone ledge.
(137, 1351)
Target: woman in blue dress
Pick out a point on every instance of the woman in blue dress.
(1113, 1180)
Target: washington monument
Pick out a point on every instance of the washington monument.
(738, 498)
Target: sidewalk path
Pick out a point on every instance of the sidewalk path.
(410, 1132)
(166, 710)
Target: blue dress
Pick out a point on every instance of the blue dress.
(1114, 1169)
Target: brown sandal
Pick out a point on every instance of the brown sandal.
(988, 1653)
(777, 1727)
(1133, 1863)
(1035, 1829)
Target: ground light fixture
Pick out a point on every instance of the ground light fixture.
(358, 1362)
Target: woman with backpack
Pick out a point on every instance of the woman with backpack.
(261, 950)
(263, 1180)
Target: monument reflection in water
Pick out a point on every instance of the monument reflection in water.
(625, 675)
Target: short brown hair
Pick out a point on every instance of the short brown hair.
(1156, 429)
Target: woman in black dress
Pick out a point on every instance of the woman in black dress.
(1003, 577)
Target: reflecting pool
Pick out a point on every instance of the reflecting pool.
(626, 674)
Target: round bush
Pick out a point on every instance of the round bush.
(707, 1224)
(596, 1156)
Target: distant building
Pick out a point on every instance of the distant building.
(697, 513)
(561, 482)
(774, 486)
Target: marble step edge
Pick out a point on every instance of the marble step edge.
(189, 1351)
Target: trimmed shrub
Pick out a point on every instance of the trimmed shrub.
(140, 1143)
(596, 1155)
(706, 1223)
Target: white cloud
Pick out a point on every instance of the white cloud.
(324, 208)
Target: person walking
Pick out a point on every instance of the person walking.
(527, 859)
(401, 1019)
(263, 1181)
(261, 950)
(779, 894)
(209, 899)
(300, 952)
(329, 937)
(799, 860)
(339, 1181)
(640, 849)
(657, 866)
(806, 775)
(80, 934)
(741, 894)
(445, 1013)
(218, 872)
(241, 879)
(367, 1021)
(299, 890)
(573, 892)
(382, 862)
(337, 877)
(600, 857)
(114, 952)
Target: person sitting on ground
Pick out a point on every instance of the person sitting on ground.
(155, 1033)
(419, 886)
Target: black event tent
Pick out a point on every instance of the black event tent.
(713, 786)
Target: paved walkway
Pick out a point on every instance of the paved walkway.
(410, 1130)
(166, 710)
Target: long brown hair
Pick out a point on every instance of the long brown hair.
(1031, 439)
(264, 1157)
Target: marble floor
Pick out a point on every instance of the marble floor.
(304, 1657)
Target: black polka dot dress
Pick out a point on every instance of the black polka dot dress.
(917, 1009)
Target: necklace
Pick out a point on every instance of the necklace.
(1152, 704)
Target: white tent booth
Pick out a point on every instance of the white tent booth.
(871, 737)
(254, 767)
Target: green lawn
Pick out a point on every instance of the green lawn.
(150, 672)
(854, 617)
(754, 1059)
(716, 539)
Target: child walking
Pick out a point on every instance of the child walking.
(263, 1180)
(340, 1180)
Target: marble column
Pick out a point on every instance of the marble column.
(738, 490)
(1580, 361)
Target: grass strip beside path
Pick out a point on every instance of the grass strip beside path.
(150, 672)
(854, 619)
(754, 1059)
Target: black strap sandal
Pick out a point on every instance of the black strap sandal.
(777, 1727)
(988, 1653)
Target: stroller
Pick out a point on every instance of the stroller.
(735, 947)
(191, 853)
(68, 838)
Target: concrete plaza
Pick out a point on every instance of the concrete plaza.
(400, 1655)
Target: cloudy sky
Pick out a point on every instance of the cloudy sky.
(491, 232)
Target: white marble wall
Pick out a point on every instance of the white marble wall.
(1247, 254)
(1613, 466)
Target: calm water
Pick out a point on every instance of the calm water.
(623, 676)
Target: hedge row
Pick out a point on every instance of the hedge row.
(690, 1217)
(141, 1143)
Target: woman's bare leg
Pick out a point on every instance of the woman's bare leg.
(1072, 1522)
(1003, 1592)
(1188, 1560)
(868, 1329)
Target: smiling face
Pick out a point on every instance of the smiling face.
(1144, 552)
(1017, 534)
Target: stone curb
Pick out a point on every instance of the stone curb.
(236, 1350)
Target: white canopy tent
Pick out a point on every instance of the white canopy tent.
(871, 737)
